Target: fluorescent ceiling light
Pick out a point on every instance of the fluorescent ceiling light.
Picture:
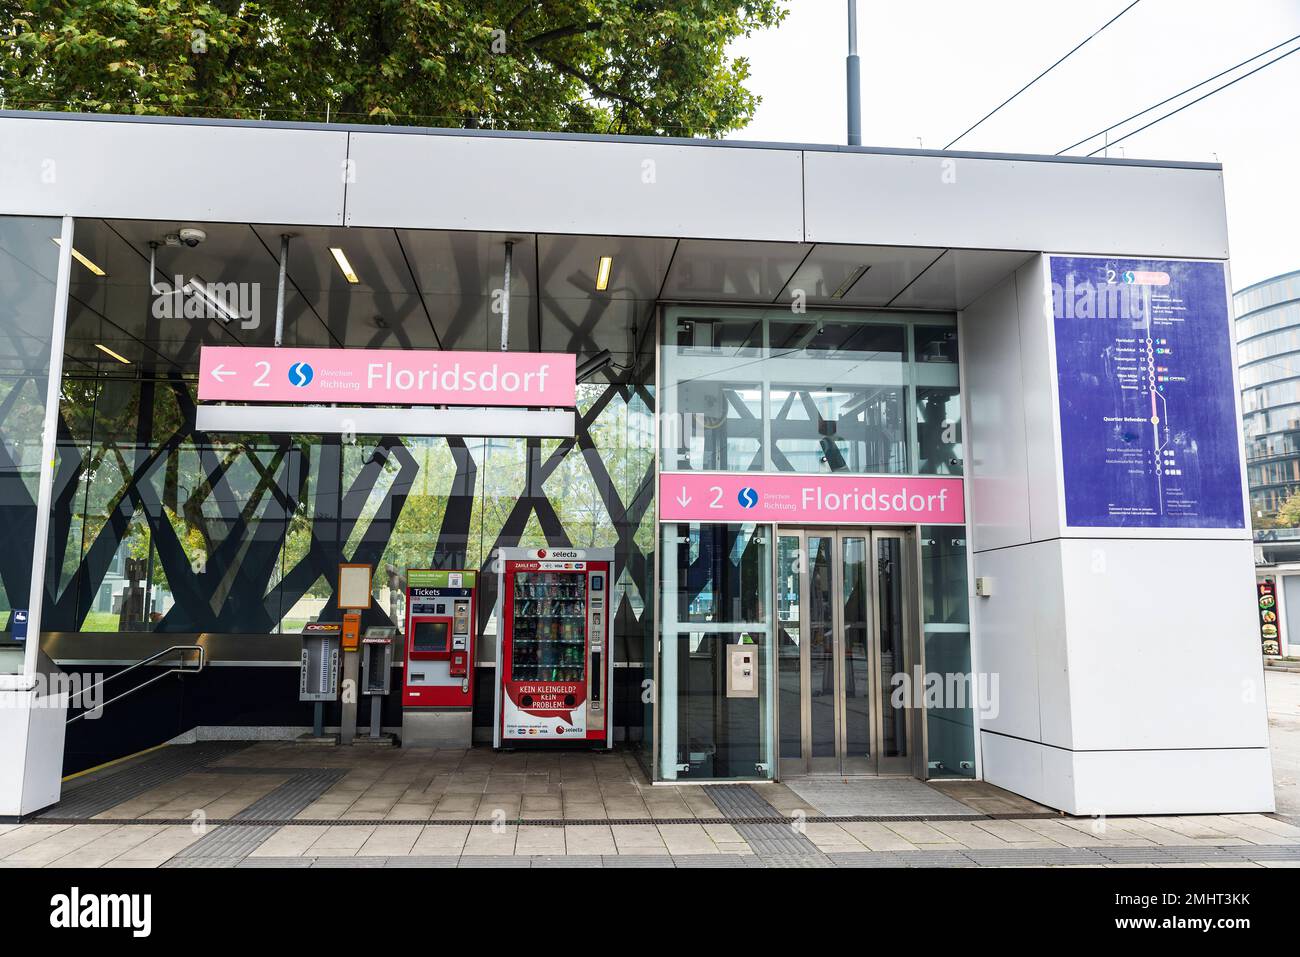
(105, 349)
(344, 266)
(77, 255)
(848, 283)
(603, 269)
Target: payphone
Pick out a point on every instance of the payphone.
(438, 677)
(377, 676)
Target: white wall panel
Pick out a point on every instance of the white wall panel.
(1229, 781)
(1010, 629)
(1163, 644)
(1038, 382)
(913, 200)
(171, 171)
(994, 430)
(567, 186)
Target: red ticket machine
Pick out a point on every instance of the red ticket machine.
(554, 667)
(438, 677)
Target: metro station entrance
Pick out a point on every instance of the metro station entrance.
(846, 625)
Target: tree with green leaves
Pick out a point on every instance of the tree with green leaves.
(654, 67)
(1288, 515)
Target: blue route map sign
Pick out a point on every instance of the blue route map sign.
(1144, 371)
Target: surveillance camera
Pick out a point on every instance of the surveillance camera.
(192, 237)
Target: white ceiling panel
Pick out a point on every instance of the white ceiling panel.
(568, 266)
(888, 271)
(739, 272)
(958, 278)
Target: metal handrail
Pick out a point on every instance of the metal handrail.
(182, 670)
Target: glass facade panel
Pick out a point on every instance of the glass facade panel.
(765, 390)
(822, 701)
(29, 265)
(789, 560)
(950, 723)
(768, 390)
(715, 592)
(856, 564)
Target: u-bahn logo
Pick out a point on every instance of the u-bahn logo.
(747, 497)
(300, 374)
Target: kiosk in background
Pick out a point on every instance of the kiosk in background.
(438, 678)
(554, 667)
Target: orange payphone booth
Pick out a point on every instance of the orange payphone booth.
(438, 677)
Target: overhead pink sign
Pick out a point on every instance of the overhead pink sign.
(821, 499)
(387, 376)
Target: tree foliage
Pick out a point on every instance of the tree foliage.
(1288, 516)
(628, 66)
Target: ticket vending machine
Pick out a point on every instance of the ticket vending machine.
(554, 664)
(438, 677)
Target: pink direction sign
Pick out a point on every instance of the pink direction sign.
(821, 499)
(387, 376)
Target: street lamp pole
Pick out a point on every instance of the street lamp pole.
(854, 78)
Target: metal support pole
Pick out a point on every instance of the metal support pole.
(376, 717)
(505, 302)
(854, 79)
(279, 292)
(49, 449)
(318, 720)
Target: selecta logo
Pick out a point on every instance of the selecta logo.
(300, 374)
(747, 497)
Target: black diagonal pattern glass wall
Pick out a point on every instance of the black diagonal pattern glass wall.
(160, 527)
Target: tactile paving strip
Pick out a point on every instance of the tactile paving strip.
(739, 801)
(754, 819)
(226, 844)
(101, 794)
(282, 804)
(293, 796)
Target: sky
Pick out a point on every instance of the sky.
(931, 68)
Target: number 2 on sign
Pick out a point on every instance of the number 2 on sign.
(717, 496)
(266, 369)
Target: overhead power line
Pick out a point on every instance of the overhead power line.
(1169, 99)
(1217, 89)
(1047, 71)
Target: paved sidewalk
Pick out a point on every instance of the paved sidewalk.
(278, 804)
(1230, 841)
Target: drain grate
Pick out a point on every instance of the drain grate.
(101, 794)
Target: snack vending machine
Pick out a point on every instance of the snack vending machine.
(554, 667)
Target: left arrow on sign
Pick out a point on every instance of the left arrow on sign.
(220, 372)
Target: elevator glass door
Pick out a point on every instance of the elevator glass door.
(844, 626)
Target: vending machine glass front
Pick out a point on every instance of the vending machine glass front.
(549, 633)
